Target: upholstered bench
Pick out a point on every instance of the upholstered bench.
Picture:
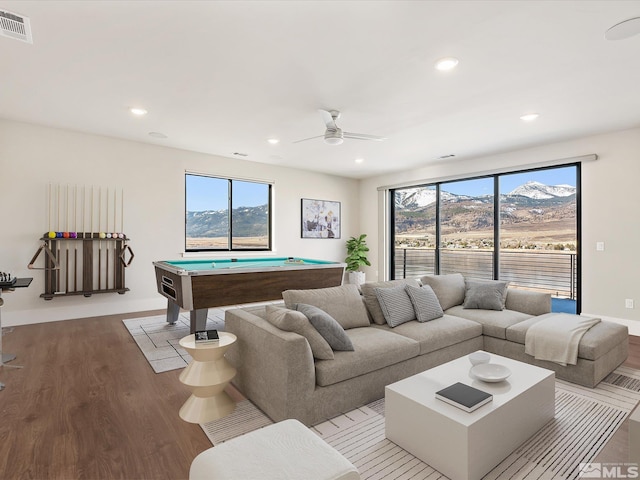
(602, 349)
(283, 451)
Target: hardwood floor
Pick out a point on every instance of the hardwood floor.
(87, 405)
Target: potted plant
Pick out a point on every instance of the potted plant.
(356, 258)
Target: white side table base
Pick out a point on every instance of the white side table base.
(207, 376)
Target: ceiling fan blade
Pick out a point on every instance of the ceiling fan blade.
(328, 119)
(363, 136)
(310, 138)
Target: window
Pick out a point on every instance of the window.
(522, 227)
(226, 214)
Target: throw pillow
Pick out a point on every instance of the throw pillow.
(343, 303)
(425, 303)
(327, 326)
(297, 322)
(449, 288)
(485, 294)
(371, 299)
(396, 305)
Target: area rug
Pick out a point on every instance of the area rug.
(585, 420)
(158, 341)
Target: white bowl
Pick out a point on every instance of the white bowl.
(478, 358)
(490, 372)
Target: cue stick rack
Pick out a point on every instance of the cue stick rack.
(80, 260)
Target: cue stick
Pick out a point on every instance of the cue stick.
(99, 239)
(84, 210)
(122, 212)
(115, 202)
(107, 247)
(49, 212)
(75, 244)
(66, 244)
(58, 243)
(49, 273)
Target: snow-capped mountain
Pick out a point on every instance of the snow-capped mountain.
(420, 197)
(541, 191)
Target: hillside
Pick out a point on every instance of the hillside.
(532, 215)
(247, 222)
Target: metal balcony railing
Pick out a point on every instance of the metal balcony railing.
(549, 272)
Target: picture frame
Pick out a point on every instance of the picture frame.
(320, 219)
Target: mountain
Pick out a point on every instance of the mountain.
(247, 222)
(533, 209)
(539, 190)
(420, 197)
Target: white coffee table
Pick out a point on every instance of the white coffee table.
(462, 445)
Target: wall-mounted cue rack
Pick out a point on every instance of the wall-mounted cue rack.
(84, 263)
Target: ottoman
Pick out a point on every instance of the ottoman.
(283, 451)
(602, 349)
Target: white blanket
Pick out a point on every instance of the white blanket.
(556, 338)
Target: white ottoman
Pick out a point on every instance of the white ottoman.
(284, 451)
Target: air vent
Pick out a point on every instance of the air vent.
(15, 26)
(442, 157)
(239, 154)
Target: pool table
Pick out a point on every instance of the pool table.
(197, 285)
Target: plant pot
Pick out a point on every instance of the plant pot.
(356, 278)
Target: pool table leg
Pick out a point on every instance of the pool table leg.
(199, 319)
(173, 310)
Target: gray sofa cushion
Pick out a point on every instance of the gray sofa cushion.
(494, 323)
(293, 321)
(448, 288)
(395, 305)
(526, 301)
(485, 294)
(425, 303)
(343, 303)
(596, 341)
(326, 326)
(371, 300)
(439, 333)
(373, 349)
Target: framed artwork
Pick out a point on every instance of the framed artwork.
(320, 218)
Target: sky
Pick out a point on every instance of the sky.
(508, 182)
(210, 193)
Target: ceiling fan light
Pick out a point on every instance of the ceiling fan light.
(333, 140)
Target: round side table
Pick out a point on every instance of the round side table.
(207, 375)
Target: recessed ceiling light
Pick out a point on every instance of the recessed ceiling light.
(447, 63)
(359, 160)
(625, 29)
(157, 135)
(273, 141)
(529, 117)
(138, 111)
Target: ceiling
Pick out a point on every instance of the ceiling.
(221, 77)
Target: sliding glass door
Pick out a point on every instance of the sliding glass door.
(522, 227)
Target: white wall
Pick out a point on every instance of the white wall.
(152, 177)
(610, 212)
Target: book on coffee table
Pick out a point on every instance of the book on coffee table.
(463, 396)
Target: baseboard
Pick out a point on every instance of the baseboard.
(53, 313)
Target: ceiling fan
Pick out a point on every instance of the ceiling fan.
(334, 134)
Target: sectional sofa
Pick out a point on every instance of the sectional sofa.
(388, 331)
